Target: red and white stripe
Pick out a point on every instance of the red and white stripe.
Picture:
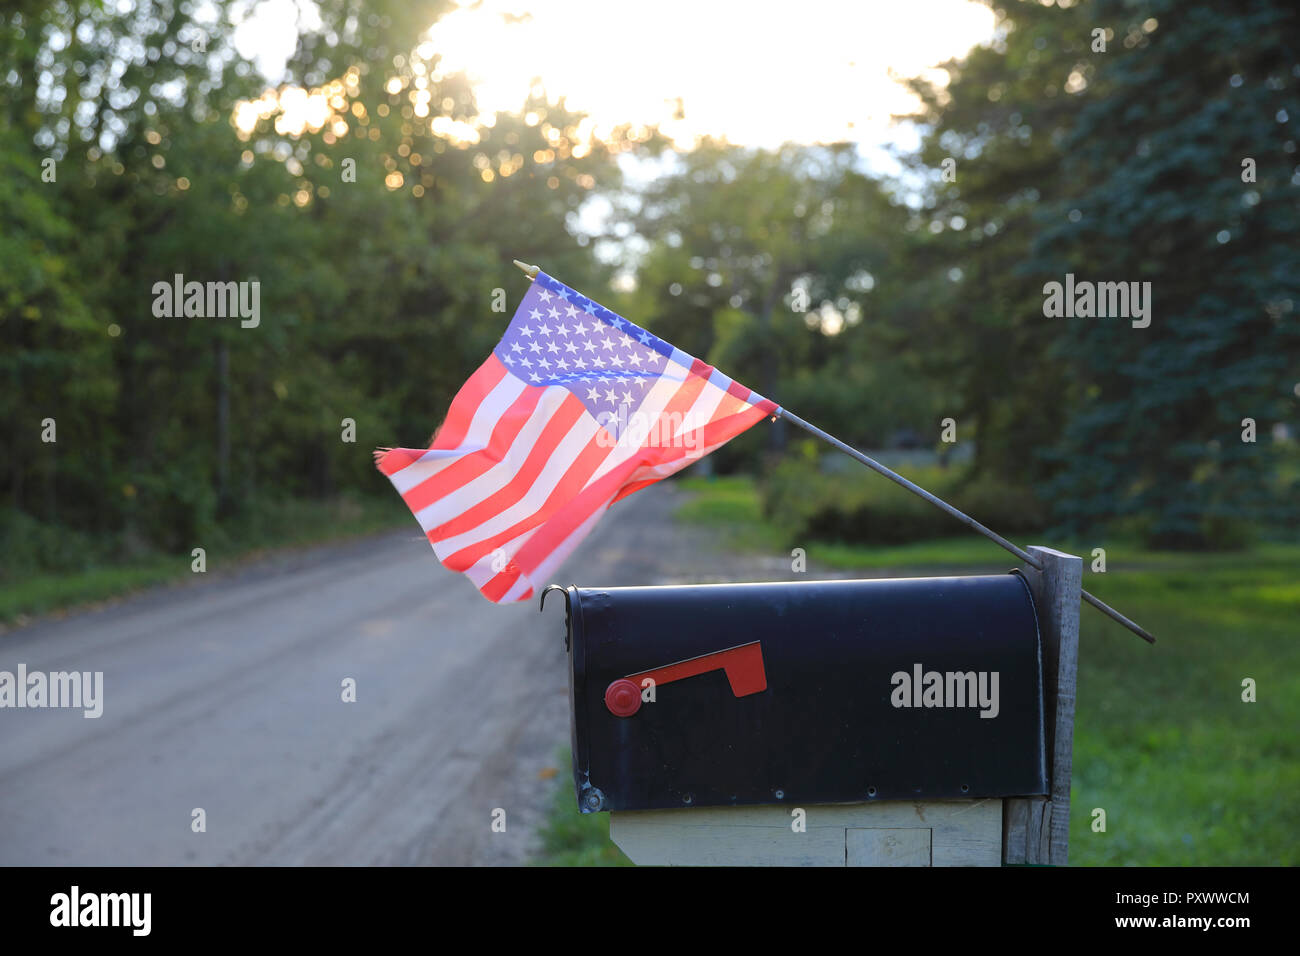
(517, 476)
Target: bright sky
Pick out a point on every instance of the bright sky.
(758, 72)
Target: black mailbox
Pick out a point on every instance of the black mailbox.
(804, 693)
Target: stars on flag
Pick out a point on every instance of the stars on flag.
(610, 361)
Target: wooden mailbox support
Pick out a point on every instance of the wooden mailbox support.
(1037, 829)
(986, 832)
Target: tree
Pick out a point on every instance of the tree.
(1106, 140)
(372, 205)
(763, 262)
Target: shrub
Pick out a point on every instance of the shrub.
(807, 504)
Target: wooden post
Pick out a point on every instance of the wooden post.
(886, 833)
(1034, 829)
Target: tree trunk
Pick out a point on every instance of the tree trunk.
(223, 427)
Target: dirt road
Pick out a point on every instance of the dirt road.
(226, 696)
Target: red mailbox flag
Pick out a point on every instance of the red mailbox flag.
(575, 408)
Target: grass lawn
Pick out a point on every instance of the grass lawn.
(1186, 772)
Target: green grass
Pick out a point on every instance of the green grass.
(287, 525)
(572, 838)
(730, 505)
(1186, 772)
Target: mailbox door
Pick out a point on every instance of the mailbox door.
(808, 692)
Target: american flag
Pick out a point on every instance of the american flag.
(575, 408)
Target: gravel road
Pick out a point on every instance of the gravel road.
(225, 694)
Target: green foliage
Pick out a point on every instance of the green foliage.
(375, 295)
(865, 305)
(1194, 99)
(1112, 166)
(1125, 165)
(808, 504)
(764, 263)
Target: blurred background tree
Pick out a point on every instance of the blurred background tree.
(1122, 157)
(171, 156)
(766, 263)
(379, 209)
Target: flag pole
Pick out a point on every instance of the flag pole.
(531, 271)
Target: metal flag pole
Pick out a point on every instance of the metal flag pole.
(531, 271)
